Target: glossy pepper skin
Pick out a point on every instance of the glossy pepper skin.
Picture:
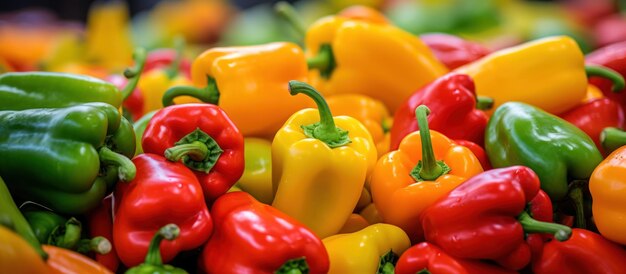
(452, 100)
(17, 255)
(363, 251)
(401, 195)
(478, 151)
(613, 57)
(145, 204)
(520, 134)
(584, 252)
(100, 224)
(322, 164)
(70, 157)
(345, 57)
(606, 184)
(257, 175)
(206, 140)
(249, 81)
(594, 116)
(486, 218)
(427, 256)
(61, 260)
(453, 51)
(251, 237)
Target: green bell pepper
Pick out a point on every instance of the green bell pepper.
(66, 158)
(153, 263)
(257, 175)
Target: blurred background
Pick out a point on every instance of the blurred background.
(58, 34)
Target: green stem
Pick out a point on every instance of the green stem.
(173, 69)
(576, 196)
(604, 72)
(132, 74)
(325, 130)
(324, 61)
(484, 103)
(168, 232)
(195, 150)
(125, 167)
(97, 244)
(66, 236)
(209, 94)
(289, 13)
(428, 168)
(294, 266)
(387, 263)
(612, 138)
(530, 225)
(423, 271)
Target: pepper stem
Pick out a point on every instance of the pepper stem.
(132, 74)
(97, 244)
(387, 263)
(428, 168)
(423, 271)
(66, 236)
(289, 13)
(325, 130)
(168, 232)
(530, 225)
(577, 198)
(173, 69)
(197, 150)
(612, 138)
(613, 76)
(324, 61)
(125, 167)
(209, 94)
(484, 103)
(294, 266)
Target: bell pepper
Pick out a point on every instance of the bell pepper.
(594, 116)
(61, 260)
(478, 151)
(139, 126)
(363, 13)
(612, 138)
(252, 237)
(426, 166)
(370, 214)
(204, 138)
(613, 57)
(354, 223)
(100, 224)
(17, 255)
(520, 134)
(584, 252)
(153, 263)
(345, 56)
(369, 250)
(108, 40)
(487, 218)
(527, 66)
(605, 185)
(593, 93)
(452, 50)
(324, 161)
(69, 157)
(145, 204)
(370, 112)
(257, 174)
(428, 258)
(247, 81)
(167, 58)
(453, 100)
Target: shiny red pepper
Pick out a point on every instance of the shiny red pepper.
(487, 217)
(426, 256)
(204, 138)
(452, 50)
(585, 252)
(252, 237)
(613, 57)
(100, 222)
(594, 116)
(478, 151)
(452, 101)
(162, 192)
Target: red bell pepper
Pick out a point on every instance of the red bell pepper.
(486, 218)
(594, 116)
(204, 138)
(252, 237)
(453, 51)
(163, 59)
(585, 252)
(478, 151)
(100, 222)
(161, 193)
(452, 100)
(428, 257)
(134, 102)
(610, 30)
(613, 57)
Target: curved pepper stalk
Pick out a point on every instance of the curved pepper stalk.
(153, 262)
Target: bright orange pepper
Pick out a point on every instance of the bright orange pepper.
(593, 93)
(65, 261)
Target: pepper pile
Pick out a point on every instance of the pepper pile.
(444, 158)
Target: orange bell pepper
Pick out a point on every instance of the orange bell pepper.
(608, 187)
(64, 261)
(17, 256)
(406, 181)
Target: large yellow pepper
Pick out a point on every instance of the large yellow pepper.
(378, 60)
(608, 187)
(363, 251)
(153, 85)
(249, 84)
(257, 175)
(17, 256)
(319, 165)
(548, 73)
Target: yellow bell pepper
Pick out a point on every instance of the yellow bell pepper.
(365, 250)
(593, 93)
(319, 165)
(548, 73)
(153, 85)
(354, 223)
(257, 175)
(371, 215)
(608, 187)
(108, 36)
(17, 256)
(377, 60)
(249, 84)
